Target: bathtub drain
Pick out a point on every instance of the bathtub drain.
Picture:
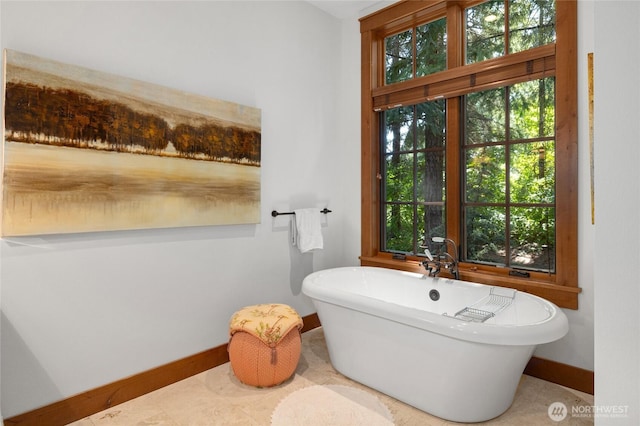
(434, 295)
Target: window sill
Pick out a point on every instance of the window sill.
(563, 296)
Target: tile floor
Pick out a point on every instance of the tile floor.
(216, 397)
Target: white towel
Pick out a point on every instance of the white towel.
(309, 234)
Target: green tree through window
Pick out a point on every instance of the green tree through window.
(413, 169)
(508, 211)
(469, 131)
(509, 176)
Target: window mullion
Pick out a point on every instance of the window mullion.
(453, 169)
(415, 179)
(453, 149)
(414, 51)
(452, 83)
(507, 171)
(506, 28)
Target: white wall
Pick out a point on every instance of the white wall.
(349, 136)
(616, 250)
(576, 348)
(82, 310)
(1, 416)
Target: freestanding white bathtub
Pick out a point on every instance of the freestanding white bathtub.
(383, 330)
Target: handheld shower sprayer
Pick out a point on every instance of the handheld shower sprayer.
(428, 254)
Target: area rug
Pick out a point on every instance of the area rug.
(331, 405)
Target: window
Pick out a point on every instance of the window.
(508, 202)
(413, 170)
(469, 132)
(426, 43)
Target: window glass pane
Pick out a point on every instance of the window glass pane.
(485, 234)
(431, 178)
(398, 126)
(532, 173)
(413, 174)
(431, 223)
(485, 31)
(533, 238)
(431, 124)
(431, 47)
(531, 24)
(399, 57)
(485, 177)
(485, 116)
(398, 177)
(399, 228)
(431, 174)
(532, 109)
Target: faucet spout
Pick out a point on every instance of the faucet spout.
(432, 267)
(451, 265)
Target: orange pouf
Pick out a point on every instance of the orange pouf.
(256, 364)
(265, 343)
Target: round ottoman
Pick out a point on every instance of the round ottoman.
(264, 347)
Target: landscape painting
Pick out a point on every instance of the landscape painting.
(90, 151)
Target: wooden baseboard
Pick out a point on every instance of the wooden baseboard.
(561, 374)
(99, 399)
(310, 322)
(93, 401)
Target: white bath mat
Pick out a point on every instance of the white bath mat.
(331, 405)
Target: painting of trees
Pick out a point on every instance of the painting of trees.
(87, 151)
(37, 114)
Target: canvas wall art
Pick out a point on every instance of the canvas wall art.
(89, 151)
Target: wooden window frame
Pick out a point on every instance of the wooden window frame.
(559, 59)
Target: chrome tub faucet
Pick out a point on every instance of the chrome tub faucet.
(443, 258)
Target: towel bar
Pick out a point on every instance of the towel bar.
(275, 213)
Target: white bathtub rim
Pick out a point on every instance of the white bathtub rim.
(548, 330)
